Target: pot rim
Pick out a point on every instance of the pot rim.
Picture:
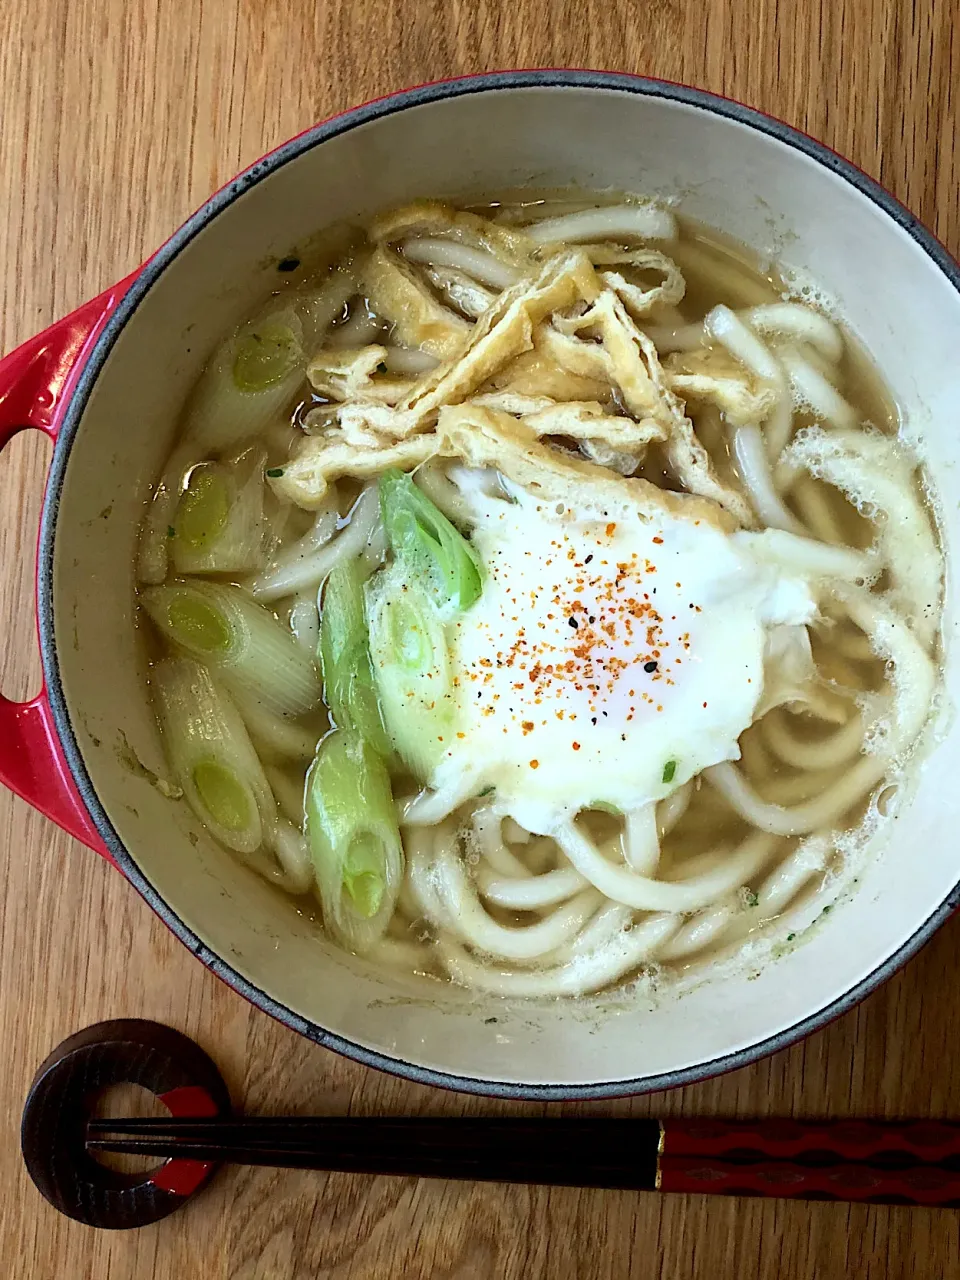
(70, 423)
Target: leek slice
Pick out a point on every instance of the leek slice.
(354, 840)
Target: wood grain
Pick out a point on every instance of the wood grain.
(119, 117)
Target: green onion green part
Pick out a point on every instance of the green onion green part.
(408, 653)
(349, 688)
(354, 839)
(427, 546)
(669, 770)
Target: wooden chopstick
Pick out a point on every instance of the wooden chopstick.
(899, 1162)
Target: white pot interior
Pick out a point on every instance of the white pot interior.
(751, 185)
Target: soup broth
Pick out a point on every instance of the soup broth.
(400, 578)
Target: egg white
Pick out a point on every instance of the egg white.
(609, 657)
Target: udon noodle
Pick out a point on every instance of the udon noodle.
(564, 348)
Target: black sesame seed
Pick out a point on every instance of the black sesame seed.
(649, 667)
(573, 623)
(593, 719)
(592, 619)
(588, 559)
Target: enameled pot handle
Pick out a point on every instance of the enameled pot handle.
(36, 381)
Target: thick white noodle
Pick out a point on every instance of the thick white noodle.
(641, 840)
(359, 330)
(680, 337)
(812, 389)
(789, 789)
(672, 809)
(409, 360)
(732, 918)
(431, 807)
(533, 892)
(513, 833)
(152, 551)
(644, 221)
(914, 674)
(597, 969)
(287, 793)
(400, 955)
(488, 834)
(822, 811)
(605, 927)
(753, 465)
(798, 553)
(318, 535)
(702, 930)
(309, 572)
(434, 481)
(822, 753)
(476, 263)
(467, 918)
(293, 854)
(792, 320)
(851, 643)
(274, 735)
(305, 621)
(788, 877)
(375, 552)
(421, 878)
(645, 894)
(815, 509)
(726, 327)
(872, 475)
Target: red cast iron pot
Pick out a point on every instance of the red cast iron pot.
(107, 383)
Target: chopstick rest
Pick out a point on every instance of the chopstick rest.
(62, 1097)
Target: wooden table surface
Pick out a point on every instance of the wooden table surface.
(118, 118)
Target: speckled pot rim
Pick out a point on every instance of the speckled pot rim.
(510, 80)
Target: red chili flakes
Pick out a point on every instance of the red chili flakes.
(658, 541)
(576, 746)
(527, 727)
(534, 764)
(611, 529)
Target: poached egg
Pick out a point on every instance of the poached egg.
(609, 658)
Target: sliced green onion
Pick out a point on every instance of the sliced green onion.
(249, 379)
(243, 643)
(427, 545)
(669, 770)
(219, 522)
(408, 653)
(212, 756)
(266, 354)
(349, 688)
(354, 840)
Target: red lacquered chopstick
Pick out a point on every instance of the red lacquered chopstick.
(880, 1162)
